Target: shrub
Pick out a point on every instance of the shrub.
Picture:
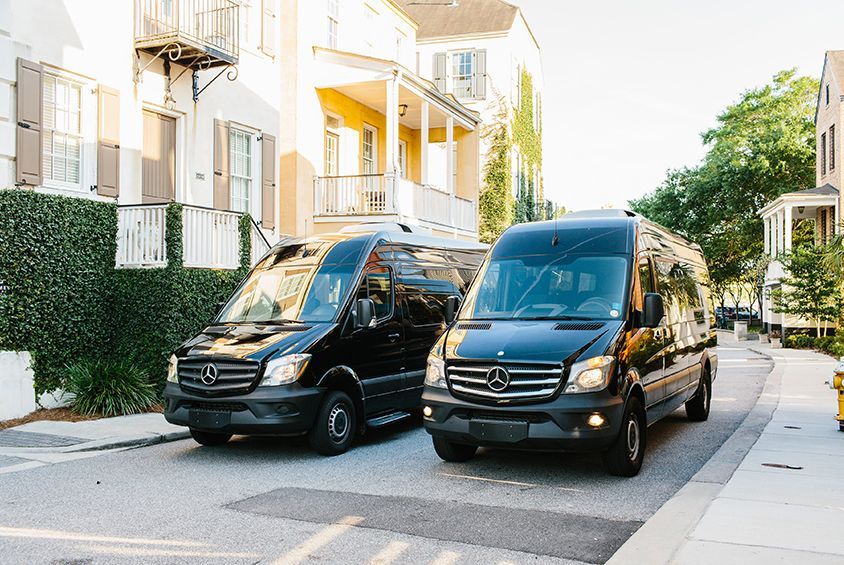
(109, 388)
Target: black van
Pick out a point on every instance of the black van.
(576, 335)
(326, 336)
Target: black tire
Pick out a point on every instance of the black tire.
(209, 439)
(697, 407)
(624, 458)
(453, 452)
(334, 428)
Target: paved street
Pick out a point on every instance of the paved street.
(388, 500)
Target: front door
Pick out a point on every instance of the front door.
(158, 168)
(376, 353)
(649, 350)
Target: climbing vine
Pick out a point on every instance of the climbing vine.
(499, 209)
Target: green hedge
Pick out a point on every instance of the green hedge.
(64, 301)
(832, 345)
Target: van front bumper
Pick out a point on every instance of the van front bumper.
(556, 425)
(282, 410)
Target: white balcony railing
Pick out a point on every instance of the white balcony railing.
(386, 195)
(140, 236)
(210, 238)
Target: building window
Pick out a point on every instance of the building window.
(827, 94)
(369, 32)
(462, 73)
(332, 151)
(370, 150)
(832, 147)
(240, 143)
(823, 154)
(245, 20)
(333, 23)
(403, 159)
(62, 137)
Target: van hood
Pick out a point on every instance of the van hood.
(255, 342)
(545, 341)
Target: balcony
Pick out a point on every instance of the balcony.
(385, 197)
(210, 238)
(197, 34)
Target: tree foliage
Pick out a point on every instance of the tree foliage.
(762, 146)
(810, 288)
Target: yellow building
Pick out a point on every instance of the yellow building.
(363, 138)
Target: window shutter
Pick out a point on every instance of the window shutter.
(222, 180)
(479, 78)
(268, 184)
(268, 27)
(439, 71)
(28, 138)
(108, 141)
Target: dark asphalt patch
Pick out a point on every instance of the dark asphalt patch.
(17, 438)
(569, 536)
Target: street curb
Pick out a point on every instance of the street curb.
(662, 535)
(118, 442)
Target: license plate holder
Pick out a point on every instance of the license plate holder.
(501, 432)
(208, 420)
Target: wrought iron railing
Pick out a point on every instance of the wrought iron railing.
(207, 25)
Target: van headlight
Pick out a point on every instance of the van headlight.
(285, 370)
(173, 370)
(590, 375)
(435, 370)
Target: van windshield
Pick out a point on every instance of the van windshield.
(289, 292)
(552, 286)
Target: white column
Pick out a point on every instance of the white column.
(449, 149)
(835, 213)
(392, 136)
(766, 228)
(775, 235)
(787, 226)
(780, 231)
(425, 126)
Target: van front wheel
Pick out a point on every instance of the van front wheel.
(624, 458)
(453, 452)
(334, 428)
(697, 407)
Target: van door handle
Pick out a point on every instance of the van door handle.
(393, 337)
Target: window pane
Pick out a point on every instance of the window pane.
(379, 287)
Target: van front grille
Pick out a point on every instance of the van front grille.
(523, 381)
(233, 376)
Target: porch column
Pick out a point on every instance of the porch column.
(775, 235)
(425, 125)
(787, 226)
(766, 228)
(449, 148)
(392, 149)
(780, 232)
(835, 213)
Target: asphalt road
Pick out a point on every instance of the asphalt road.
(389, 500)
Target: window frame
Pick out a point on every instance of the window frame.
(374, 148)
(365, 281)
(333, 31)
(831, 142)
(452, 76)
(402, 159)
(82, 136)
(251, 136)
(823, 153)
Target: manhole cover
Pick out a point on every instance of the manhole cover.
(17, 438)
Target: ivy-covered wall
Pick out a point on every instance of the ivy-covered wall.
(498, 208)
(63, 300)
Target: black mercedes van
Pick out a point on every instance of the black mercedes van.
(575, 335)
(326, 336)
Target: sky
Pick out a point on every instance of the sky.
(631, 84)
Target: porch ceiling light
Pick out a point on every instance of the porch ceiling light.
(402, 110)
(800, 209)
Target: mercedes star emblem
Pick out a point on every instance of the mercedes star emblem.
(497, 379)
(208, 374)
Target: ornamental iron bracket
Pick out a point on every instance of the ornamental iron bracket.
(174, 53)
(231, 75)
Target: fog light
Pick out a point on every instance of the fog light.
(427, 411)
(596, 420)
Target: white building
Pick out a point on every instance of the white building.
(477, 50)
(131, 101)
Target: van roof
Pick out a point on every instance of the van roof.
(408, 238)
(604, 219)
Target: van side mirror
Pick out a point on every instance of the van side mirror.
(220, 306)
(452, 303)
(654, 310)
(364, 313)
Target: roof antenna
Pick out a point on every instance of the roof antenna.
(555, 240)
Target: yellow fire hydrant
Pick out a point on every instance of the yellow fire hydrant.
(836, 382)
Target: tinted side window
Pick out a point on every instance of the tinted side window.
(645, 276)
(378, 285)
(426, 309)
(679, 288)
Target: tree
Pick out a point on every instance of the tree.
(810, 288)
(762, 147)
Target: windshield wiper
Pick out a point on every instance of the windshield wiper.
(560, 317)
(276, 322)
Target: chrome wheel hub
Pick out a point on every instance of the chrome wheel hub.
(633, 439)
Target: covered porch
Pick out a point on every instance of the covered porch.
(819, 206)
(395, 149)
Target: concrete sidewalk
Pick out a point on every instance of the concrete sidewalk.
(779, 503)
(44, 442)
